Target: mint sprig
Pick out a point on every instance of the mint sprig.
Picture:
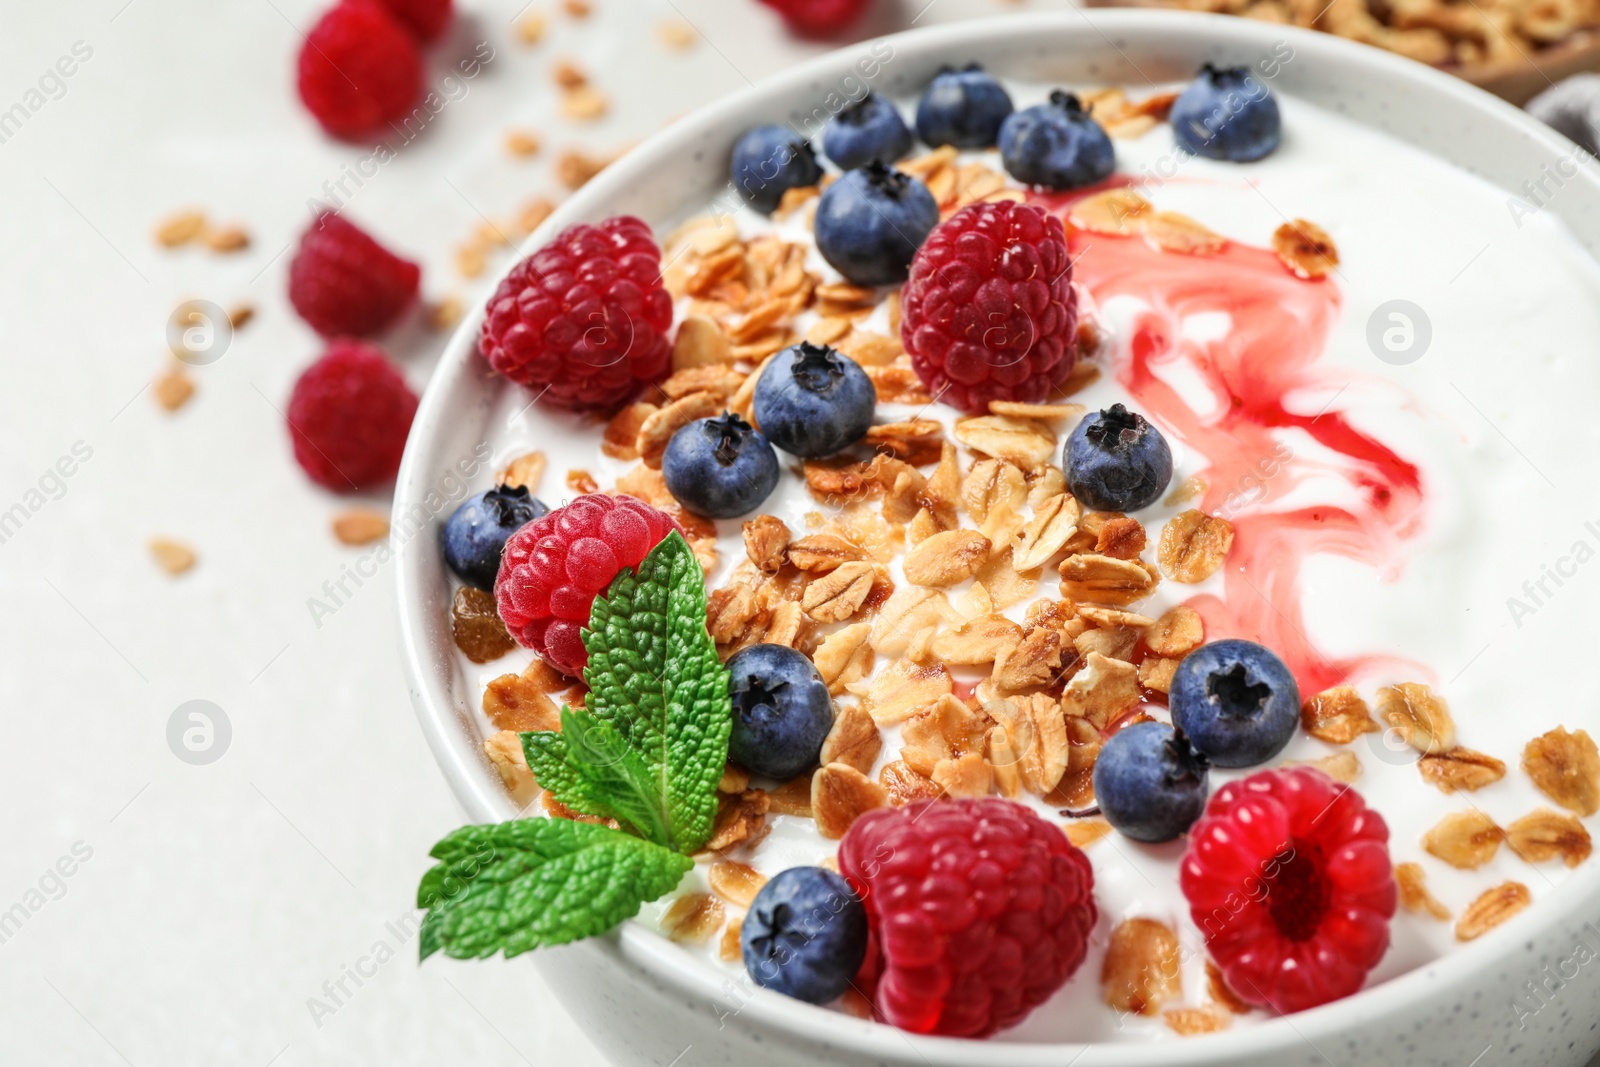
(524, 884)
(589, 767)
(654, 675)
(648, 751)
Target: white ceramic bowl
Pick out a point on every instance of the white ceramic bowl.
(644, 1000)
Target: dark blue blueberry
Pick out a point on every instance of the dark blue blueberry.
(720, 467)
(869, 129)
(962, 107)
(805, 935)
(1149, 783)
(811, 401)
(781, 711)
(1056, 145)
(474, 536)
(768, 161)
(871, 222)
(1236, 701)
(1116, 461)
(1226, 113)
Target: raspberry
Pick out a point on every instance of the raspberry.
(818, 18)
(990, 311)
(344, 283)
(349, 416)
(979, 911)
(584, 318)
(554, 567)
(1288, 877)
(359, 70)
(426, 19)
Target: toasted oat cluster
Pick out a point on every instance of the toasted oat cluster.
(1440, 32)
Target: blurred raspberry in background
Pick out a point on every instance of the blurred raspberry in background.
(819, 18)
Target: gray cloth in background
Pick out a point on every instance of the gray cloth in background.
(1572, 108)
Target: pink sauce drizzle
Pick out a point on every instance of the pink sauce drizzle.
(1280, 326)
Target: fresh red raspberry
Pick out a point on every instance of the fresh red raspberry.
(979, 911)
(818, 18)
(989, 309)
(1288, 877)
(585, 318)
(349, 416)
(553, 568)
(344, 283)
(426, 19)
(359, 70)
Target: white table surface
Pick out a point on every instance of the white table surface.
(218, 903)
(217, 900)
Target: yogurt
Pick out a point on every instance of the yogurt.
(1404, 474)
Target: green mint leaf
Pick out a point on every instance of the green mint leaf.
(615, 772)
(551, 761)
(428, 936)
(654, 676)
(520, 885)
(590, 768)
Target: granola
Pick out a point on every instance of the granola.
(1566, 768)
(1054, 522)
(1193, 545)
(854, 739)
(844, 657)
(1546, 835)
(894, 694)
(693, 918)
(905, 784)
(1421, 717)
(947, 558)
(840, 793)
(1305, 248)
(1491, 908)
(766, 543)
(1142, 968)
(736, 883)
(1460, 768)
(1414, 895)
(839, 594)
(1464, 839)
(1337, 716)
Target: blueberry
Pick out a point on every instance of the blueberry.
(870, 223)
(805, 935)
(781, 711)
(474, 536)
(1149, 782)
(1236, 701)
(1056, 145)
(720, 467)
(813, 401)
(770, 160)
(1116, 461)
(962, 107)
(1226, 113)
(869, 129)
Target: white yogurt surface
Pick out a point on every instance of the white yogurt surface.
(1497, 413)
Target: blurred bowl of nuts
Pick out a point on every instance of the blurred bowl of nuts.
(1512, 48)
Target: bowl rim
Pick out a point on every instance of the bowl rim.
(478, 788)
